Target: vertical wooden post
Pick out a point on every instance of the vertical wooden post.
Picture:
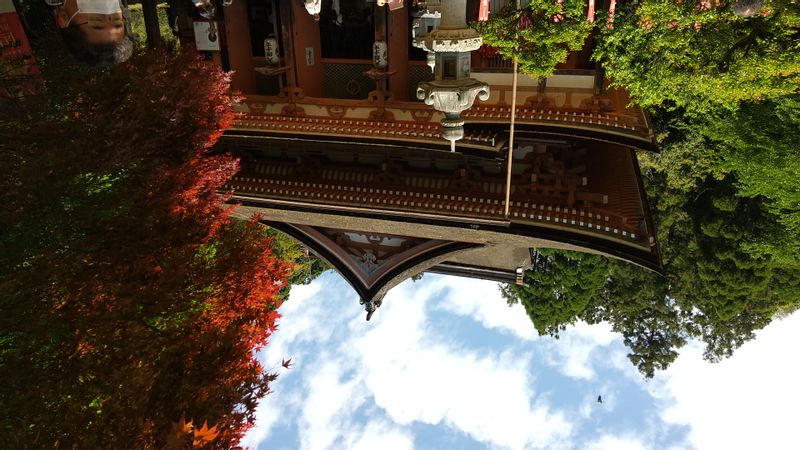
(237, 40)
(185, 29)
(285, 19)
(398, 36)
(150, 15)
(379, 18)
(307, 48)
(473, 7)
(511, 134)
(511, 139)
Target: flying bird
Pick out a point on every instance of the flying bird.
(599, 399)
(286, 363)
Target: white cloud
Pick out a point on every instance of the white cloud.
(578, 347)
(747, 401)
(413, 372)
(401, 369)
(267, 416)
(481, 300)
(329, 404)
(303, 312)
(380, 435)
(414, 377)
(608, 442)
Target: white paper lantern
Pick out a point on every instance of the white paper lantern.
(380, 57)
(271, 51)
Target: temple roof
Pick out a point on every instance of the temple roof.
(383, 213)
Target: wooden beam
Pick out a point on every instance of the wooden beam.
(150, 15)
(285, 18)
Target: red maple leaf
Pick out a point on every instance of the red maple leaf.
(287, 363)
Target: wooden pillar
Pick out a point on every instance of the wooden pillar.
(599, 79)
(473, 6)
(240, 55)
(185, 28)
(307, 50)
(399, 33)
(150, 16)
(285, 19)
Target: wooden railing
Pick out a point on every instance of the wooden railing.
(433, 195)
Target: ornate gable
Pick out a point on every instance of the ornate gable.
(371, 262)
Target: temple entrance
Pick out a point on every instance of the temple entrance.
(263, 19)
(347, 32)
(347, 29)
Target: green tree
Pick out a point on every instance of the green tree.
(760, 143)
(558, 288)
(733, 291)
(540, 35)
(305, 266)
(637, 304)
(701, 56)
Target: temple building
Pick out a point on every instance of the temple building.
(377, 134)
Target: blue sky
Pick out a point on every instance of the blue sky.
(445, 363)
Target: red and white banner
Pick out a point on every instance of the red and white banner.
(18, 68)
(483, 12)
(394, 4)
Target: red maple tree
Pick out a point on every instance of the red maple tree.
(128, 296)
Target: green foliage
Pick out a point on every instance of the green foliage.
(638, 304)
(137, 24)
(726, 213)
(754, 149)
(555, 29)
(305, 266)
(761, 143)
(558, 289)
(702, 58)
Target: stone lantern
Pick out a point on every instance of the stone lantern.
(452, 91)
(747, 8)
(425, 21)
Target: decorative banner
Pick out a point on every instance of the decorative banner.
(394, 4)
(483, 12)
(18, 70)
(206, 36)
